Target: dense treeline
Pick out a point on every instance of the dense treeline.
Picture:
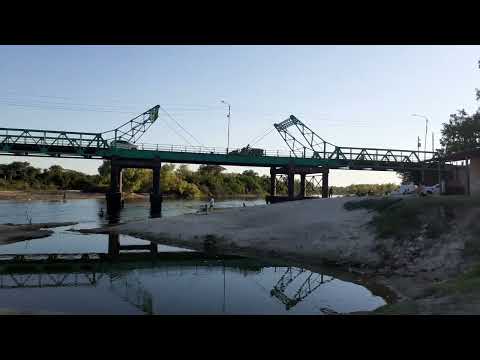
(208, 180)
(22, 176)
(179, 181)
(365, 189)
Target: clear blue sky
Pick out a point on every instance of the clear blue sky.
(351, 95)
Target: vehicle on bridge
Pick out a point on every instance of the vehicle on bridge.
(247, 150)
(122, 144)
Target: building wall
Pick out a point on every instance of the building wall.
(475, 176)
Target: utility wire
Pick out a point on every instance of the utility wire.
(168, 114)
(256, 137)
(40, 107)
(268, 133)
(178, 134)
(66, 107)
(115, 107)
(129, 105)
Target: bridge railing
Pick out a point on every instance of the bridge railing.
(340, 153)
(45, 138)
(207, 150)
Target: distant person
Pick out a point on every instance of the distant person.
(244, 205)
(211, 203)
(330, 192)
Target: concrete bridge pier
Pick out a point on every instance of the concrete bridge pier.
(290, 172)
(325, 183)
(291, 183)
(273, 182)
(303, 190)
(113, 244)
(156, 197)
(114, 195)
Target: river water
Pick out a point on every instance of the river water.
(188, 284)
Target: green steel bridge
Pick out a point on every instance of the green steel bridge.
(83, 145)
(308, 154)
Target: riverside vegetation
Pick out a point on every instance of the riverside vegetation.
(178, 181)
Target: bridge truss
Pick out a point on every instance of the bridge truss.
(304, 142)
(305, 150)
(311, 283)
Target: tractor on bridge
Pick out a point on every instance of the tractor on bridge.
(247, 150)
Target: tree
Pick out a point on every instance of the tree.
(104, 169)
(462, 132)
(250, 173)
(478, 90)
(214, 169)
(183, 172)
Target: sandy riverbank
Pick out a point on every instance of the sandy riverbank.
(318, 230)
(10, 233)
(22, 195)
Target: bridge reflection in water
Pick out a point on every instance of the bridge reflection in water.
(122, 273)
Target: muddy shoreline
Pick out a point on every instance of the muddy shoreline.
(59, 195)
(11, 233)
(21, 195)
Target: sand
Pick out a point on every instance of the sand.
(318, 230)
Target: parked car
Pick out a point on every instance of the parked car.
(430, 190)
(405, 189)
(122, 144)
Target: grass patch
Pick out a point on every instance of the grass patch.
(464, 284)
(405, 218)
(401, 308)
(371, 204)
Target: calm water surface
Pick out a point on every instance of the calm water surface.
(189, 286)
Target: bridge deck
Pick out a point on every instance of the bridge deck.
(28, 142)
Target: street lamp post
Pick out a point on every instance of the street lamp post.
(228, 116)
(426, 130)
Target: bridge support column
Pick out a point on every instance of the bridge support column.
(467, 163)
(325, 184)
(114, 195)
(273, 182)
(291, 184)
(156, 197)
(302, 186)
(113, 244)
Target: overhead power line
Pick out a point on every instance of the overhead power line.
(177, 133)
(173, 119)
(261, 138)
(200, 107)
(63, 108)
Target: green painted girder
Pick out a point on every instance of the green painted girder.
(220, 159)
(92, 145)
